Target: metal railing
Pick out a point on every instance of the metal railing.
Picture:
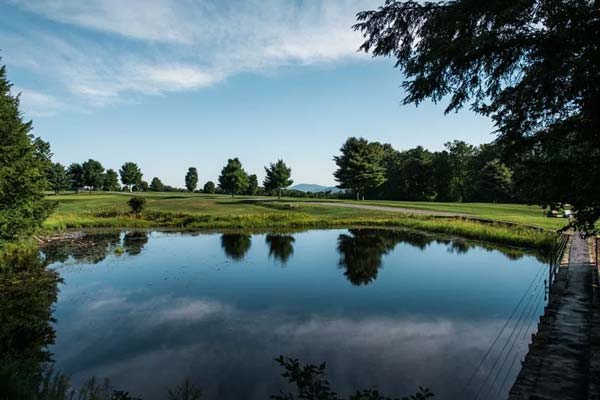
(597, 250)
(556, 258)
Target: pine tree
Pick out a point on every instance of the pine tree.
(277, 177)
(58, 178)
(23, 170)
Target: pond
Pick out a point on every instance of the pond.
(386, 308)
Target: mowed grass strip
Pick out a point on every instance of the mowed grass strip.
(198, 211)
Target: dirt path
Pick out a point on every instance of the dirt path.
(391, 209)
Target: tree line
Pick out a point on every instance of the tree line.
(234, 179)
(459, 173)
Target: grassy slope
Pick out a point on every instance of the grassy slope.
(516, 213)
(182, 210)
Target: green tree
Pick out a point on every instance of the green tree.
(277, 177)
(156, 185)
(460, 157)
(58, 178)
(141, 186)
(191, 179)
(23, 170)
(93, 174)
(233, 178)
(360, 167)
(209, 187)
(75, 171)
(442, 176)
(252, 187)
(111, 181)
(414, 174)
(130, 174)
(494, 183)
(528, 65)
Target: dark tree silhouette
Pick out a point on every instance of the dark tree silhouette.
(281, 247)
(27, 293)
(134, 242)
(529, 65)
(235, 245)
(361, 253)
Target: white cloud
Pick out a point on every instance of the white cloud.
(106, 50)
(192, 310)
(38, 104)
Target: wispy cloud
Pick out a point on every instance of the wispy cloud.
(38, 104)
(105, 50)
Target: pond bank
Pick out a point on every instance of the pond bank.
(563, 359)
(497, 232)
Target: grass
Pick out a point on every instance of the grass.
(507, 223)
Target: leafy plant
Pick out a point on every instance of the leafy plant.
(311, 384)
(137, 205)
(185, 391)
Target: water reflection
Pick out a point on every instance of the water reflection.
(426, 311)
(90, 249)
(361, 250)
(93, 248)
(27, 292)
(236, 245)
(134, 242)
(281, 247)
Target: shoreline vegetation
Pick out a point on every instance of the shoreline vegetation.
(508, 224)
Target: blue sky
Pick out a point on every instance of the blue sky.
(171, 84)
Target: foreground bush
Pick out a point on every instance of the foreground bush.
(137, 205)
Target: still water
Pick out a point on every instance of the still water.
(384, 308)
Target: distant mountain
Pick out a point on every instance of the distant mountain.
(310, 188)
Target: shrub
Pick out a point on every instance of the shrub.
(137, 204)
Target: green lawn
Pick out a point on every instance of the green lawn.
(195, 211)
(516, 213)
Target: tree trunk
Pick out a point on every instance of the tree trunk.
(357, 195)
(279, 194)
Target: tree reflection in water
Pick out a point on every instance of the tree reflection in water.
(281, 247)
(27, 292)
(361, 250)
(28, 289)
(236, 245)
(134, 242)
